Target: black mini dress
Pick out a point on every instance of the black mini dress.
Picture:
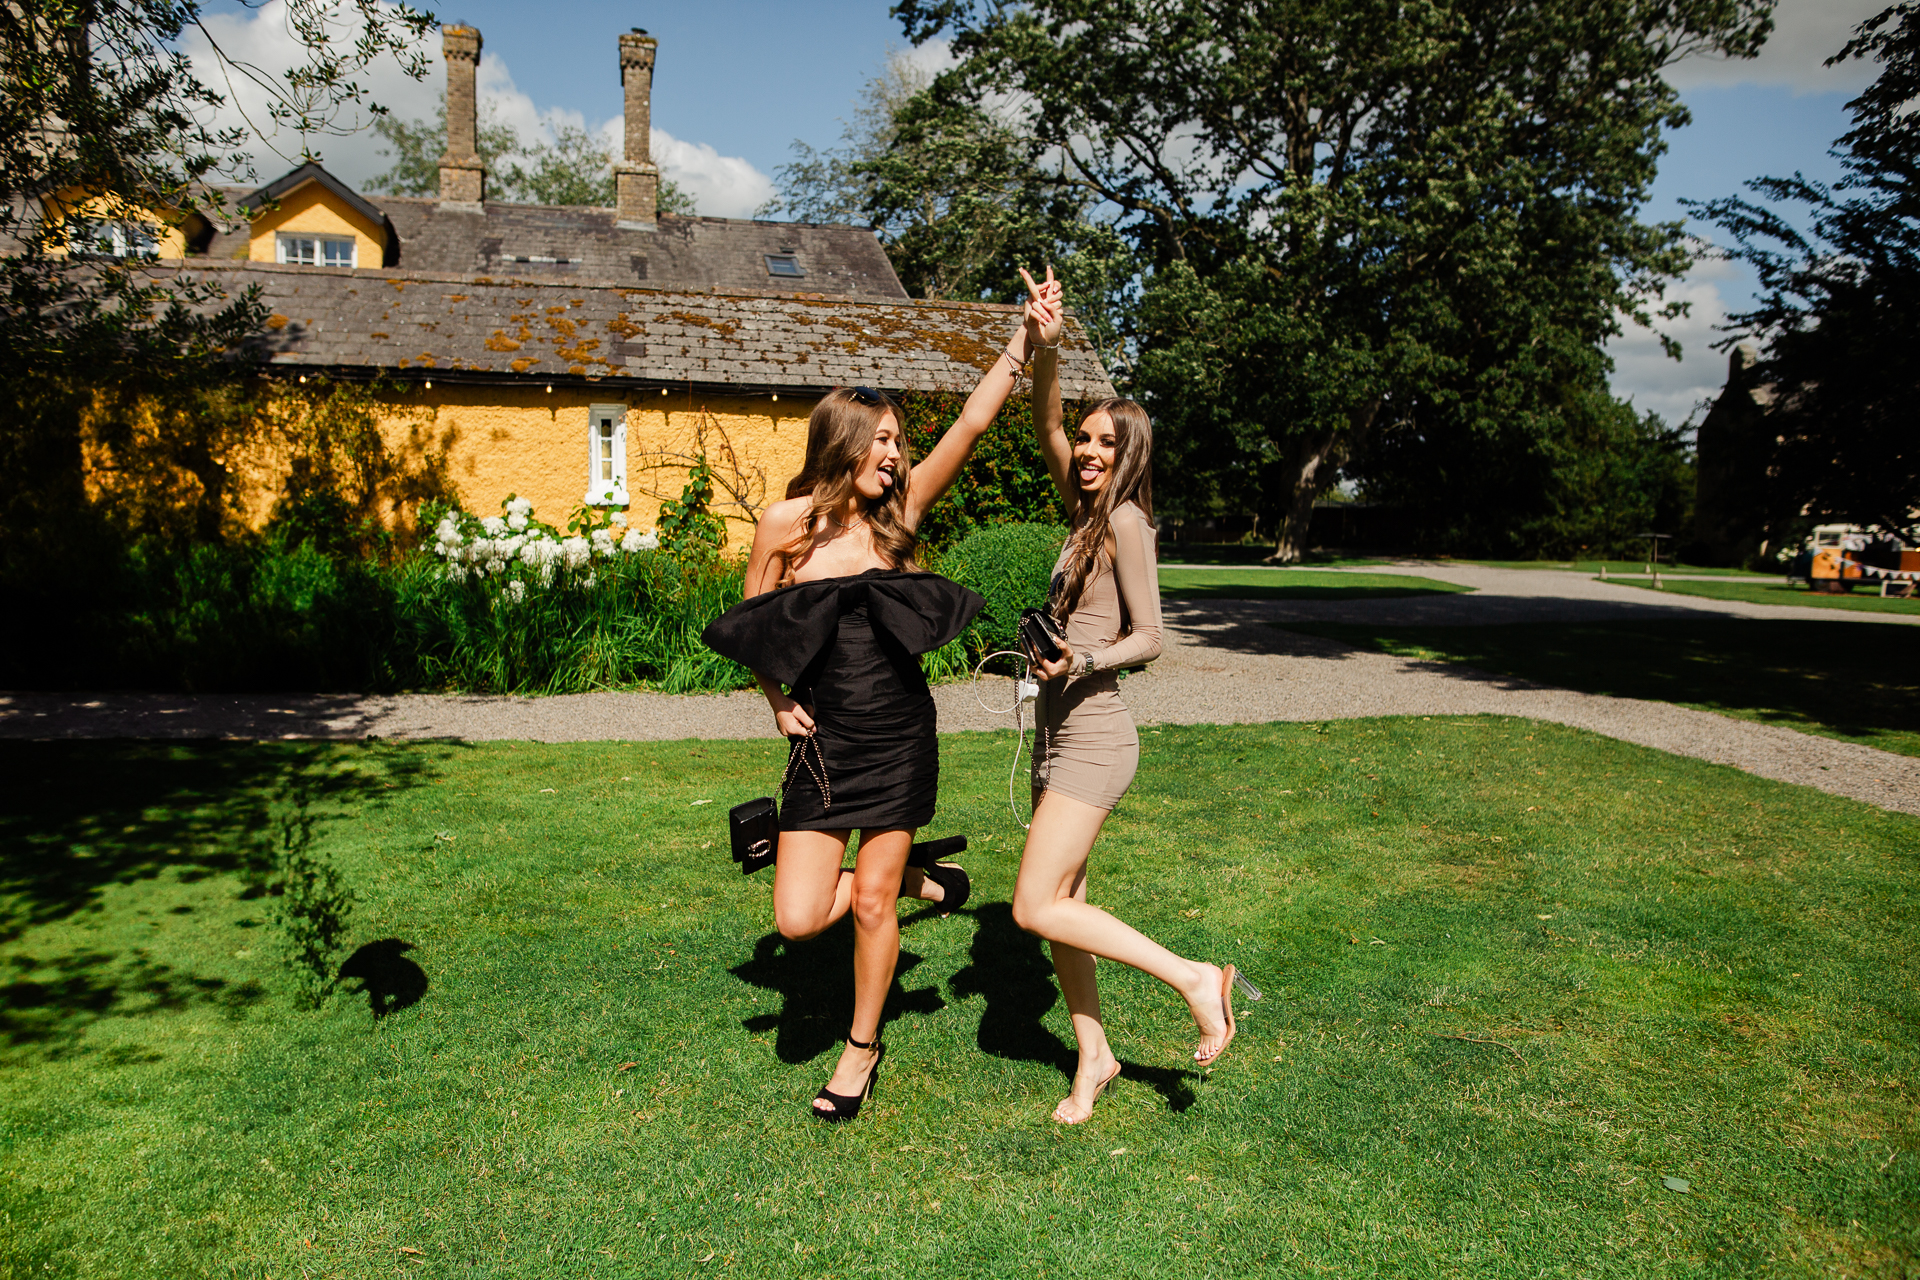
(849, 649)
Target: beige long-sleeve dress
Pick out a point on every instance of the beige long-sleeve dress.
(1089, 748)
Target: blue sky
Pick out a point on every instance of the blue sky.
(738, 80)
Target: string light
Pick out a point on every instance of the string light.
(429, 384)
(776, 395)
(549, 388)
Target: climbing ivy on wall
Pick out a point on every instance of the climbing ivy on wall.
(1004, 482)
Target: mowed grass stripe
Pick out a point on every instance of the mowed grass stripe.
(1516, 975)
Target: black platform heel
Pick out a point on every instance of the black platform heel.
(954, 882)
(844, 1107)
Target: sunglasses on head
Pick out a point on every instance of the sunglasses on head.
(865, 395)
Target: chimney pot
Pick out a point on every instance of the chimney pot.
(636, 178)
(462, 175)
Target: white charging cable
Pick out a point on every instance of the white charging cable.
(1026, 689)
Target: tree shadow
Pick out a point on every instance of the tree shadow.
(1011, 970)
(814, 980)
(49, 1004)
(81, 817)
(390, 981)
(1858, 680)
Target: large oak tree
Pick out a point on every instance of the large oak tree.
(1385, 235)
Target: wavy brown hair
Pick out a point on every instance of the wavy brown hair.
(1130, 480)
(840, 433)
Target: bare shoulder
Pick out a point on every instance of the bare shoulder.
(784, 515)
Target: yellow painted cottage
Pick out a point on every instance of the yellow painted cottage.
(574, 354)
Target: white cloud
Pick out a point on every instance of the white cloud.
(724, 186)
(1805, 34)
(721, 186)
(1676, 389)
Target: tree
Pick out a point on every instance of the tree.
(960, 197)
(1839, 304)
(103, 127)
(1369, 232)
(574, 169)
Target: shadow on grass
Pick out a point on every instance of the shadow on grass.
(51, 1002)
(1857, 678)
(389, 980)
(81, 818)
(1010, 968)
(815, 982)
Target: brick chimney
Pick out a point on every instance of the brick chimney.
(637, 178)
(463, 181)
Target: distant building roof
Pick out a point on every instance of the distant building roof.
(572, 242)
(519, 326)
(254, 201)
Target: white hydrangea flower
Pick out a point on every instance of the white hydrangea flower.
(516, 521)
(575, 552)
(494, 526)
(619, 518)
(456, 572)
(603, 543)
(516, 591)
(520, 507)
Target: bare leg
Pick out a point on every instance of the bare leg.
(1098, 1065)
(810, 890)
(1049, 899)
(876, 949)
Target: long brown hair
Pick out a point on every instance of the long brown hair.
(1131, 480)
(840, 433)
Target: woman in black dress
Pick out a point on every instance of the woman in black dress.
(835, 617)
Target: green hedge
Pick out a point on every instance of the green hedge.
(273, 617)
(1012, 566)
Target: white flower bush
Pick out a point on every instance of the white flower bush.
(489, 547)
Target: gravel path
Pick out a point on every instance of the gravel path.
(1225, 664)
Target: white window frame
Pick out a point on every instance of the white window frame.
(319, 244)
(602, 490)
(122, 239)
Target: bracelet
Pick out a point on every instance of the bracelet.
(1041, 346)
(1018, 368)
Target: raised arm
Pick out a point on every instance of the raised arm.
(1049, 427)
(941, 467)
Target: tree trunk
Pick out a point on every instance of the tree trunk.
(1311, 469)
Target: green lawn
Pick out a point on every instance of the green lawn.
(1859, 682)
(1781, 593)
(1243, 553)
(1517, 977)
(1612, 566)
(1247, 583)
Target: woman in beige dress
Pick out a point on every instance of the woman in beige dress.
(1106, 596)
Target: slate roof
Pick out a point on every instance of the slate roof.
(514, 328)
(570, 242)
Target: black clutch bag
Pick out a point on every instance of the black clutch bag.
(755, 827)
(1040, 633)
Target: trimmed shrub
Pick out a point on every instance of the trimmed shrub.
(1012, 566)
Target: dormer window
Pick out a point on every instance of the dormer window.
(116, 239)
(315, 251)
(784, 264)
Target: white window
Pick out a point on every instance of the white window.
(315, 251)
(607, 455)
(119, 239)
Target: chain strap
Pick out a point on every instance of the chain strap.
(816, 766)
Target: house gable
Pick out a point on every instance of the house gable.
(312, 203)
